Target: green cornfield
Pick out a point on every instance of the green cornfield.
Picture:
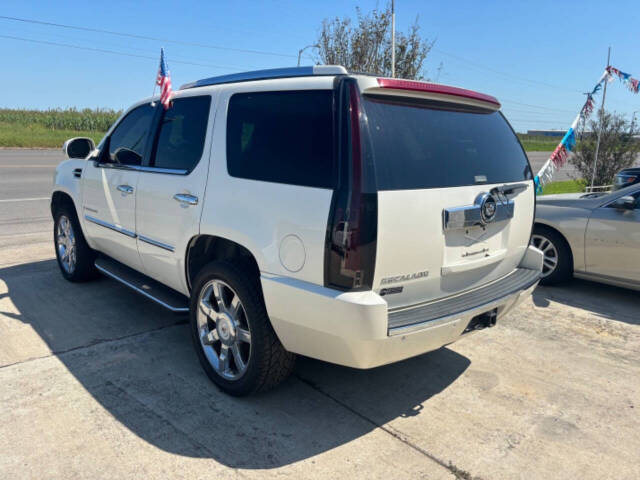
(88, 120)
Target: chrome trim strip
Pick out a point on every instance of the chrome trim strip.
(117, 166)
(110, 226)
(155, 243)
(456, 218)
(141, 168)
(170, 171)
(146, 294)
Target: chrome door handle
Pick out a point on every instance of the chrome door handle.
(125, 189)
(185, 198)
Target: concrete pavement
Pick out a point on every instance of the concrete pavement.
(97, 382)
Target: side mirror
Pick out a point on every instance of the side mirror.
(625, 203)
(78, 147)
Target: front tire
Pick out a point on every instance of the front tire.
(557, 264)
(233, 337)
(75, 257)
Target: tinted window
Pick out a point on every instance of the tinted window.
(128, 140)
(431, 145)
(284, 137)
(183, 129)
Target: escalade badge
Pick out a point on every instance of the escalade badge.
(488, 208)
(404, 278)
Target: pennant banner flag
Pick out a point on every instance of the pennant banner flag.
(559, 156)
(632, 83)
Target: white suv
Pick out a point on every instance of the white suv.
(354, 219)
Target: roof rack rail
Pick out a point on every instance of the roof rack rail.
(269, 74)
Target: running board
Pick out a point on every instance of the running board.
(159, 293)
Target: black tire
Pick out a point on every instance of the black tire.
(268, 362)
(563, 269)
(83, 268)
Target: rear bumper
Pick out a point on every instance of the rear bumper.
(356, 329)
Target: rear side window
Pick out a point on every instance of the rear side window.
(183, 129)
(283, 137)
(421, 145)
(128, 140)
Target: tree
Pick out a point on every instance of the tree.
(366, 47)
(618, 148)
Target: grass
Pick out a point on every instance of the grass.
(569, 186)
(538, 143)
(37, 136)
(50, 128)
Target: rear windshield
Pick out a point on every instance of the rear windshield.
(419, 144)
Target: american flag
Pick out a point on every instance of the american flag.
(164, 81)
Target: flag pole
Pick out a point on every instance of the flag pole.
(604, 96)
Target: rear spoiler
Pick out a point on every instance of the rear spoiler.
(434, 91)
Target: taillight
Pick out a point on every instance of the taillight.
(350, 246)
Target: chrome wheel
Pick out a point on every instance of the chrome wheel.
(550, 260)
(223, 329)
(66, 244)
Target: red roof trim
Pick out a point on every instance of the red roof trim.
(435, 88)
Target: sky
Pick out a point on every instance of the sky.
(537, 58)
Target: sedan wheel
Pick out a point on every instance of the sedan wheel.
(557, 260)
(550, 261)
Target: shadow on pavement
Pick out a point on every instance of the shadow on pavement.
(151, 382)
(609, 302)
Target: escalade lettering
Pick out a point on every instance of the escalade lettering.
(404, 278)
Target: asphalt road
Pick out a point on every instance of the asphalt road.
(25, 185)
(26, 177)
(97, 382)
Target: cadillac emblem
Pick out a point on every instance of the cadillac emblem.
(488, 208)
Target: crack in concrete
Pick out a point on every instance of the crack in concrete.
(153, 412)
(93, 343)
(459, 473)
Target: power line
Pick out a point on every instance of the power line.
(123, 45)
(144, 37)
(113, 52)
(536, 106)
(499, 72)
(536, 112)
(525, 120)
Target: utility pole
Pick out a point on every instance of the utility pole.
(393, 38)
(604, 96)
